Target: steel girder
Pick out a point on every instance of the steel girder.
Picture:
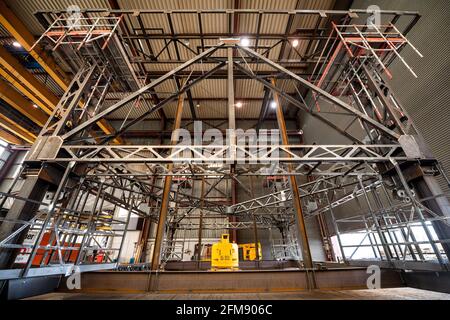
(227, 154)
(311, 189)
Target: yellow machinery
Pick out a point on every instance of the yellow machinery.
(225, 255)
(249, 251)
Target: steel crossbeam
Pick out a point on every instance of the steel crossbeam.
(224, 154)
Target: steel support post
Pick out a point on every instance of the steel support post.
(74, 237)
(143, 239)
(6, 168)
(50, 215)
(231, 104)
(427, 187)
(306, 251)
(392, 236)
(71, 99)
(232, 131)
(336, 227)
(72, 206)
(54, 235)
(387, 250)
(125, 227)
(405, 234)
(166, 193)
(256, 239)
(255, 227)
(11, 188)
(34, 188)
(86, 237)
(393, 112)
(148, 225)
(373, 244)
(420, 214)
(200, 227)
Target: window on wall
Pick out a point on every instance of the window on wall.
(358, 245)
(4, 153)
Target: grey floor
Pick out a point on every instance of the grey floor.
(382, 294)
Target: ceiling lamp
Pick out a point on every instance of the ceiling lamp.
(245, 42)
(295, 43)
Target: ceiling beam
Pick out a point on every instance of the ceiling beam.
(10, 138)
(21, 88)
(20, 32)
(13, 66)
(167, 134)
(16, 129)
(24, 106)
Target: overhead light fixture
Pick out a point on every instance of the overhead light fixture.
(239, 105)
(273, 104)
(245, 42)
(35, 106)
(295, 43)
(198, 104)
(17, 44)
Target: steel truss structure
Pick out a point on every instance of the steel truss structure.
(88, 176)
(229, 154)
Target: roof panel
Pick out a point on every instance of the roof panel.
(212, 109)
(268, 4)
(25, 9)
(249, 89)
(188, 23)
(210, 88)
(174, 4)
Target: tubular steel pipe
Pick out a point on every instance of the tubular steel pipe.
(306, 251)
(166, 192)
(419, 213)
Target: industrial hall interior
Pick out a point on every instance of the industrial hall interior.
(242, 149)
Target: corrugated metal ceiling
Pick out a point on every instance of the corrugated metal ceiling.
(212, 23)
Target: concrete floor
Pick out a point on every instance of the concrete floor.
(382, 294)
